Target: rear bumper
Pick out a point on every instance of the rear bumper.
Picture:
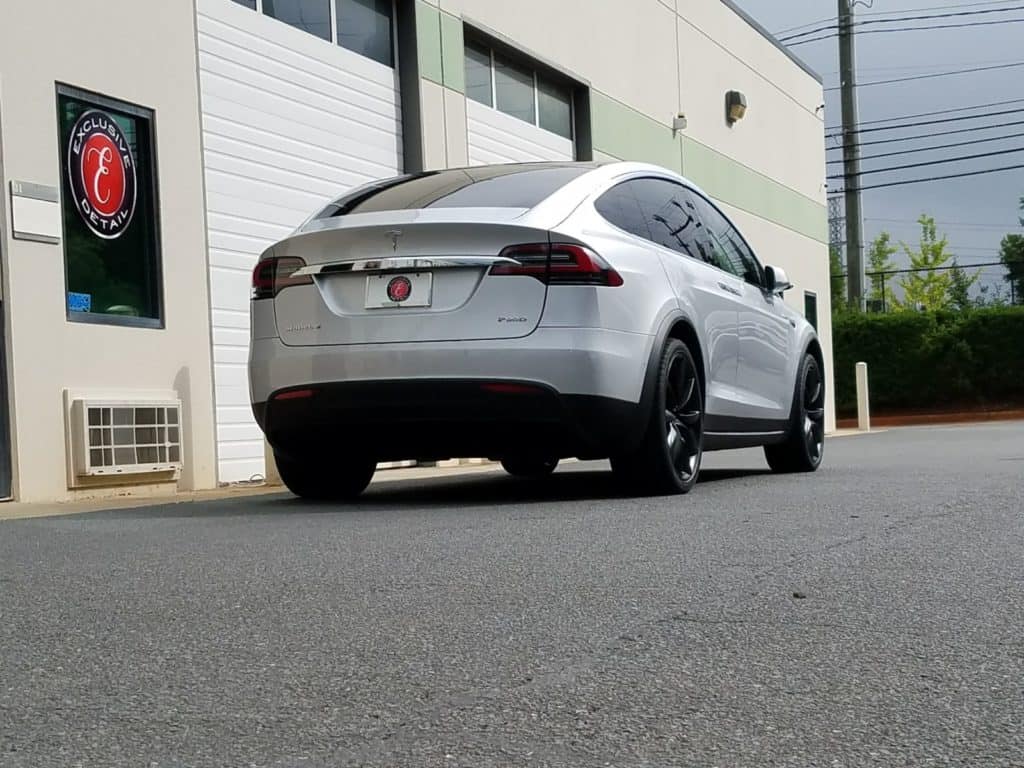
(571, 361)
(424, 400)
(437, 419)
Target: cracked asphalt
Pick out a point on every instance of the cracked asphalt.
(870, 614)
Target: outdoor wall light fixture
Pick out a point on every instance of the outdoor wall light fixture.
(735, 106)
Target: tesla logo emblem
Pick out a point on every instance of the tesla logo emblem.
(399, 289)
(101, 172)
(394, 235)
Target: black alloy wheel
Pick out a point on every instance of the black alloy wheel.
(804, 447)
(668, 458)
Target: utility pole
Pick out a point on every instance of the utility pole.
(851, 156)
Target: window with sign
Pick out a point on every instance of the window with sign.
(109, 207)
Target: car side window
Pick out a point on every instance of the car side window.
(620, 207)
(671, 217)
(731, 253)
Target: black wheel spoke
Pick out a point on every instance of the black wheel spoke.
(683, 416)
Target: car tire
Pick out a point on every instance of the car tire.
(805, 444)
(315, 481)
(529, 467)
(668, 458)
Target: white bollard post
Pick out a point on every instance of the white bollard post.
(863, 402)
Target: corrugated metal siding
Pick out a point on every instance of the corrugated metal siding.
(289, 121)
(495, 137)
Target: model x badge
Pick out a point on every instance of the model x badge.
(399, 289)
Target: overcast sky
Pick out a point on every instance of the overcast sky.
(974, 212)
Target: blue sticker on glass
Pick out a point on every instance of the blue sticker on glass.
(79, 302)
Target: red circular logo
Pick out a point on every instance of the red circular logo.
(101, 172)
(399, 289)
(102, 169)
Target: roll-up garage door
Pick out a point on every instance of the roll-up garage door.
(290, 119)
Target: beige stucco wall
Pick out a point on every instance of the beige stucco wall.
(142, 52)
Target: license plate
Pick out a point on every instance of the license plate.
(392, 290)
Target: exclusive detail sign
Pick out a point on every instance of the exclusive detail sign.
(101, 173)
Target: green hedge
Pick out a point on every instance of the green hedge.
(931, 360)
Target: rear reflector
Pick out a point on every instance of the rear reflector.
(294, 394)
(558, 264)
(273, 275)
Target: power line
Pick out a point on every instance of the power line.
(908, 29)
(834, 27)
(936, 178)
(892, 13)
(928, 122)
(950, 224)
(929, 114)
(933, 134)
(935, 74)
(937, 146)
(944, 161)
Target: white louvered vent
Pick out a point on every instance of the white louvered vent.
(117, 437)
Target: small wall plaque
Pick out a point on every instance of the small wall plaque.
(35, 212)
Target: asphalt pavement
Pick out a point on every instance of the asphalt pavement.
(871, 614)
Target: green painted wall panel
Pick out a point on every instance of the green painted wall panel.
(734, 183)
(428, 42)
(453, 67)
(621, 131)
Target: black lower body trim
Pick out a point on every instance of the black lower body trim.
(432, 420)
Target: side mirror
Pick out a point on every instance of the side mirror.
(776, 280)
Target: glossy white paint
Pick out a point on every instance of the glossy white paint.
(289, 121)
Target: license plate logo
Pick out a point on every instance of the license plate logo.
(412, 289)
(399, 289)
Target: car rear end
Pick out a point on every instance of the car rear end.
(407, 321)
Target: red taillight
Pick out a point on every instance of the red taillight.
(558, 264)
(272, 275)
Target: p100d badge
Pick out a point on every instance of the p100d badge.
(101, 172)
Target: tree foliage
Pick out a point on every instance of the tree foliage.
(879, 254)
(837, 271)
(960, 283)
(1011, 253)
(927, 287)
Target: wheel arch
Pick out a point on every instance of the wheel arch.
(683, 330)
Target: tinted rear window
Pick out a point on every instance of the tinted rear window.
(495, 186)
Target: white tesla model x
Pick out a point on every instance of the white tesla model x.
(527, 313)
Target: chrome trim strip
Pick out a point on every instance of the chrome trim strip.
(402, 264)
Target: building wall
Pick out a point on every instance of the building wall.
(147, 58)
(289, 122)
(645, 62)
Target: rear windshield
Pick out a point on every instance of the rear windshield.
(487, 186)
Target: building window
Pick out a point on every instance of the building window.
(364, 26)
(811, 308)
(554, 107)
(478, 73)
(313, 16)
(518, 88)
(109, 207)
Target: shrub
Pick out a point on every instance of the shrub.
(932, 360)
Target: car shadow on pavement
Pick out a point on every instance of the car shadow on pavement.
(470, 490)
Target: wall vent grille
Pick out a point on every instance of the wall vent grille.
(124, 438)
